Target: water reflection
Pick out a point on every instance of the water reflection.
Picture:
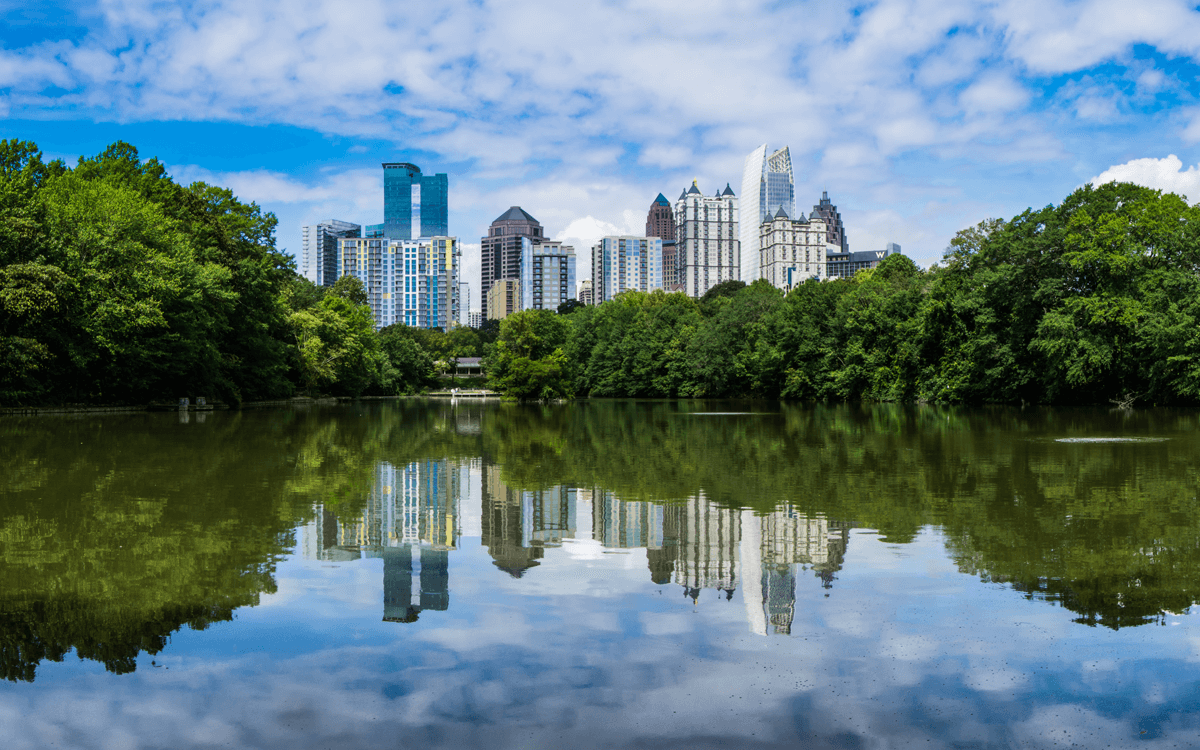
(118, 530)
(411, 518)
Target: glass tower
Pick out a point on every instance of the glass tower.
(767, 185)
(414, 205)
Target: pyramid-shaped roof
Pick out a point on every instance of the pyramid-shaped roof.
(661, 200)
(781, 213)
(727, 191)
(693, 189)
(516, 213)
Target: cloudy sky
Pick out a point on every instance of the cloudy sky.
(919, 118)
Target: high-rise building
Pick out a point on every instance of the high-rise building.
(503, 299)
(585, 292)
(837, 232)
(767, 185)
(319, 248)
(414, 282)
(792, 250)
(464, 302)
(660, 222)
(621, 264)
(547, 273)
(414, 205)
(706, 240)
(500, 251)
(475, 318)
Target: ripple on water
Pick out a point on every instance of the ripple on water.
(1111, 440)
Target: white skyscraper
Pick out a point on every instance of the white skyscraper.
(767, 185)
(706, 240)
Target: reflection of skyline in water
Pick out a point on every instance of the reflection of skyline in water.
(412, 518)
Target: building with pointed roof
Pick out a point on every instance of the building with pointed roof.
(792, 251)
(500, 250)
(706, 241)
(767, 185)
(660, 222)
(837, 232)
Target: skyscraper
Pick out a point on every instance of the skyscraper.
(319, 248)
(414, 205)
(414, 282)
(500, 251)
(660, 222)
(833, 220)
(706, 240)
(547, 274)
(621, 264)
(767, 184)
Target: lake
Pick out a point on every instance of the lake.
(609, 574)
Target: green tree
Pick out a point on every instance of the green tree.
(528, 363)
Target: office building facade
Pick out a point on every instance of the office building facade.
(792, 250)
(414, 205)
(500, 250)
(621, 264)
(849, 263)
(319, 249)
(585, 292)
(768, 184)
(660, 222)
(707, 243)
(413, 282)
(547, 274)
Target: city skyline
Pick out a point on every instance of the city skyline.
(920, 120)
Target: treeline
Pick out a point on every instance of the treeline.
(118, 285)
(1092, 301)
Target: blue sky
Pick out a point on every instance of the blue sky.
(919, 118)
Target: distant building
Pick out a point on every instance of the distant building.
(621, 264)
(319, 248)
(706, 240)
(547, 273)
(585, 292)
(414, 282)
(500, 250)
(464, 302)
(414, 205)
(660, 221)
(503, 299)
(767, 185)
(847, 264)
(475, 318)
(792, 250)
(836, 234)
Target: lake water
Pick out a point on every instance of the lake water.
(600, 574)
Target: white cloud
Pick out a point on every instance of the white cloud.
(1166, 174)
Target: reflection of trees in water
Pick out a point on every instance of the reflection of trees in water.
(1107, 530)
(117, 530)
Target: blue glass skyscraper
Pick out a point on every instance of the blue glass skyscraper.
(414, 205)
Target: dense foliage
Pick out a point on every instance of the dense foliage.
(1092, 301)
(118, 285)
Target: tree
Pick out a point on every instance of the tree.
(569, 307)
(528, 363)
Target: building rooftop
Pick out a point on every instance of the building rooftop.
(516, 213)
(661, 200)
(693, 189)
(728, 191)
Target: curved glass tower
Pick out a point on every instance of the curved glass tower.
(767, 186)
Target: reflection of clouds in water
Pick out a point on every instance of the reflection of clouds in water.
(512, 664)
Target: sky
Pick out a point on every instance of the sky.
(918, 118)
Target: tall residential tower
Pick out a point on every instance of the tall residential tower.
(706, 240)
